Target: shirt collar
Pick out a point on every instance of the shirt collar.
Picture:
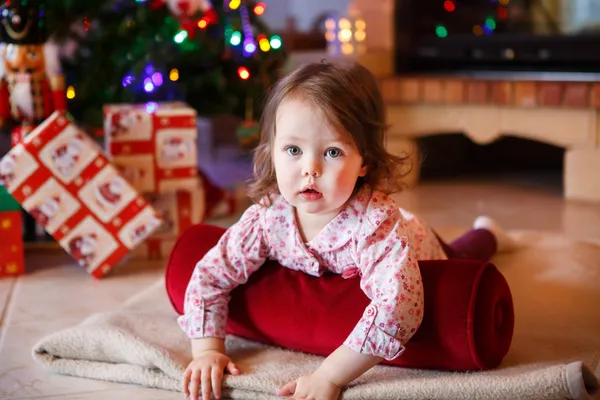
(334, 235)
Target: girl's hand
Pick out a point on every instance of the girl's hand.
(206, 371)
(310, 387)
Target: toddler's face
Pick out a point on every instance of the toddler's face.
(316, 166)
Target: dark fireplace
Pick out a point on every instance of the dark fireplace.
(560, 38)
(455, 155)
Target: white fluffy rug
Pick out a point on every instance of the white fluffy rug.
(555, 352)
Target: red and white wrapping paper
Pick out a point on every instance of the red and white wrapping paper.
(153, 145)
(178, 211)
(65, 181)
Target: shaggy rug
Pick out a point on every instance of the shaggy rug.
(555, 283)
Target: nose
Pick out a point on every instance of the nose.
(312, 168)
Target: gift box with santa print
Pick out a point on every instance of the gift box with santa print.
(61, 177)
(11, 240)
(153, 145)
(179, 211)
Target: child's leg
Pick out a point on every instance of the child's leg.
(476, 244)
(480, 243)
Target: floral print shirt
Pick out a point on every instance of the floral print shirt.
(370, 238)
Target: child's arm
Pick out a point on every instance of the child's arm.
(240, 251)
(340, 368)
(345, 365)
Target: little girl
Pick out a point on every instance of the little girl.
(322, 179)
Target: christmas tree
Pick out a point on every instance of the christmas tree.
(214, 56)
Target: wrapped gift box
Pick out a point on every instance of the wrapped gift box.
(178, 211)
(11, 236)
(153, 145)
(63, 179)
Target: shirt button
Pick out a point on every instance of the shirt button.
(370, 311)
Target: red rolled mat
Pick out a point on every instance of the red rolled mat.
(467, 324)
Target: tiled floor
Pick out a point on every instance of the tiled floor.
(56, 294)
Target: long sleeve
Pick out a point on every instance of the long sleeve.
(240, 251)
(391, 278)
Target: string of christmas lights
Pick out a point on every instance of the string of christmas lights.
(487, 28)
(151, 78)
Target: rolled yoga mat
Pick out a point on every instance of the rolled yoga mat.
(467, 324)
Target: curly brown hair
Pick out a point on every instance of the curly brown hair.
(350, 97)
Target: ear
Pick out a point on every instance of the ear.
(363, 171)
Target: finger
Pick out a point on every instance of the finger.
(233, 369)
(195, 385)
(206, 383)
(287, 389)
(217, 378)
(186, 382)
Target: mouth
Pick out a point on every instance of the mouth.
(311, 192)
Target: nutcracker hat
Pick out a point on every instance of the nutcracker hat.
(23, 22)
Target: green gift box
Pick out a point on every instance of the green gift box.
(7, 202)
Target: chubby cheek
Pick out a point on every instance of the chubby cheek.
(285, 174)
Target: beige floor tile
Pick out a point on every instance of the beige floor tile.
(6, 286)
(514, 205)
(54, 295)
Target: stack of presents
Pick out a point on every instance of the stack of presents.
(130, 199)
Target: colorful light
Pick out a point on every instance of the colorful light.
(330, 24)
(504, 2)
(180, 37)
(275, 42)
(345, 35)
(502, 14)
(260, 8)
(148, 85)
(264, 44)
(441, 31)
(449, 6)
(347, 48)
(234, 4)
(490, 23)
(157, 79)
(127, 80)
(203, 23)
(70, 92)
(236, 38)
(151, 107)
(174, 74)
(243, 73)
(477, 30)
(249, 46)
(249, 43)
(344, 24)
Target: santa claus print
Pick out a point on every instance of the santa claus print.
(44, 212)
(7, 170)
(175, 149)
(122, 123)
(83, 248)
(142, 231)
(131, 173)
(110, 193)
(65, 156)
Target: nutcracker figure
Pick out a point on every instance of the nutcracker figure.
(31, 82)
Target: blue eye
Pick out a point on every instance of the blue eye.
(333, 153)
(293, 150)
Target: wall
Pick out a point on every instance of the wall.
(304, 11)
